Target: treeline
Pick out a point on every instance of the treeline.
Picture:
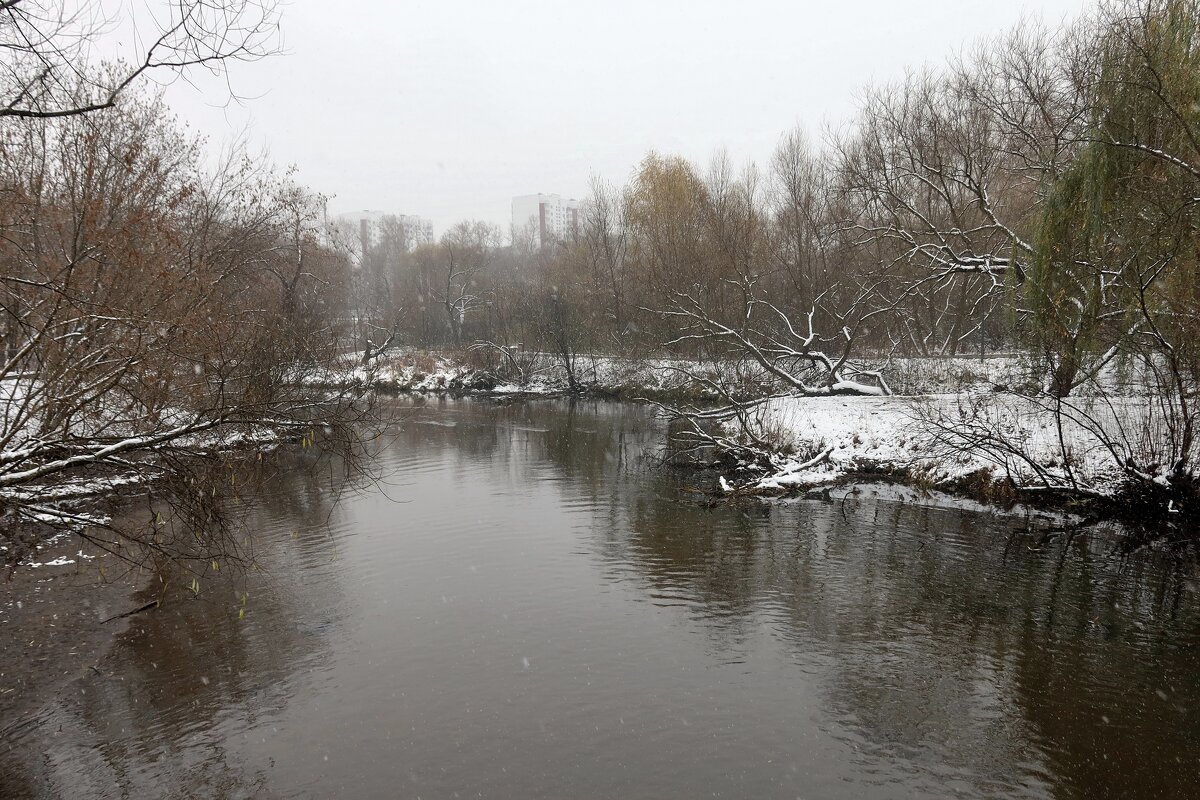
(158, 303)
(154, 305)
(1038, 192)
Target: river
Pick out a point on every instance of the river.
(524, 604)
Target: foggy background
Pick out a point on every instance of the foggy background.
(449, 109)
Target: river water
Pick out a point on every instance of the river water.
(525, 605)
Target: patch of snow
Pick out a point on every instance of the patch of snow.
(61, 561)
(889, 432)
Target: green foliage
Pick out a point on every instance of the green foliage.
(1065, 290)
(1114, 266)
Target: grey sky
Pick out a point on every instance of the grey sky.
(448, 109)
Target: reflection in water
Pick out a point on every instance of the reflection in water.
(526, 606)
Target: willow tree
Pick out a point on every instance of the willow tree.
(1115, 269)
(1071, 290)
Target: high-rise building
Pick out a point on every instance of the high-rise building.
(369, 226)
(552, 217)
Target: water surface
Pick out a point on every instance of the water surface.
(525, 606)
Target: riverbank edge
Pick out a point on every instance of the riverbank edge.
(1147, 510)
(1143, 512)
(1081, 508)
(445, 375)
(981, 489)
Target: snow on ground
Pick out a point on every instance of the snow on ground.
(544, 374)
(941, 438)
(437, 371)
(938, 375)
(950, 418)
(925, 429)
(73, 489)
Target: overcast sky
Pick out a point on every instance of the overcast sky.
(448, 109)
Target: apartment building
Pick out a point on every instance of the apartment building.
(413, 230)
(552, 217)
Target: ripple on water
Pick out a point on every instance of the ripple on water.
(521, 608)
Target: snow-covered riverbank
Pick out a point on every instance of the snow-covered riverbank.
(952, 422)
(940, 440)
(530, 374)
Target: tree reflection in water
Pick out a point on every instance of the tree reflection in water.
(943, 649)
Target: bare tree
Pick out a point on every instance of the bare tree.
(606, 242)
(153, 311)
(468, 249)
(804, 224)
(50, 46)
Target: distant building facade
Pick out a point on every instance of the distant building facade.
(552, 217)
(414, 231)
